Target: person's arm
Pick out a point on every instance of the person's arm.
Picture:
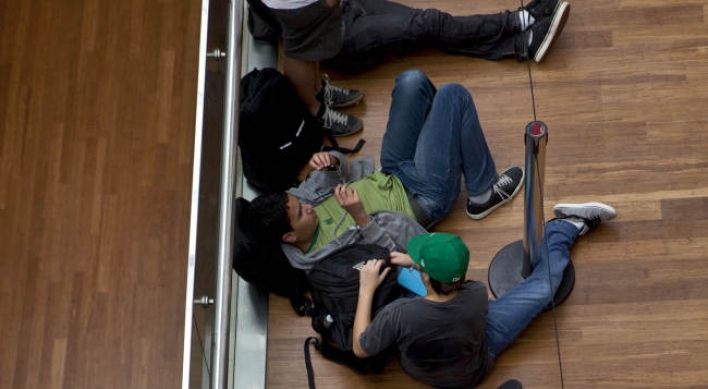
(370, 279)
(319, 184)
(324, 161)
(400, 259)
(349, 200)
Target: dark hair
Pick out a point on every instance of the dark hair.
(269, 215)
(446, 288)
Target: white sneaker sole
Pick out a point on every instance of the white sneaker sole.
(560, 16)
(585, 211)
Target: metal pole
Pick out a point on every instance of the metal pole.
(513, 263)
(219, 370)
(194, 207)
(535, 139)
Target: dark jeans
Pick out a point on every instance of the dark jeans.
(374, 29)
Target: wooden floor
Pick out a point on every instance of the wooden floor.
(96, 139)
(624, 94)
(97, 113)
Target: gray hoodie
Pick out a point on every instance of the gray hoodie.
(388, 229)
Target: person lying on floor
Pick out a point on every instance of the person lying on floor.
(450, 337)
(375, 29)
(433, 138)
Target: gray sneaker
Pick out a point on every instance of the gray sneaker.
(590, 214)
(338, 97)
(338, 123)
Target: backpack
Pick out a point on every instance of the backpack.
(263, 263)
(334, 283)
(277, 134)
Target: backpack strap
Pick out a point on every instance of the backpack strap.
(335, 145)
(308, 362)
(372, 364)
(334, 355)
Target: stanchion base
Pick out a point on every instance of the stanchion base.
(506, 269)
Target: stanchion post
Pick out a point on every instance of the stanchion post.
(535, 140)
(513, 263)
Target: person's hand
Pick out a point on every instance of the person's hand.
(371, 275)
(349, 200)
(323, 161)
(400, 259)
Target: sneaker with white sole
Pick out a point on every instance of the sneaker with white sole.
(338, 123)
(541, 9)
(506, 187)
(590, 214)
(545, 32)
(337, 97)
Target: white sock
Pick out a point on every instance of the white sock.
(482, 198)
(530, 37)
(526, 19)
(576, 222)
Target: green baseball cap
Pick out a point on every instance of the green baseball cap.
(444, 257)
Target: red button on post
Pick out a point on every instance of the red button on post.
(537, 129)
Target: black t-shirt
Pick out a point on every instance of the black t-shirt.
(440, 344)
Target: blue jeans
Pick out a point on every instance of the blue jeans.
(374, 29)
(510, 314)
(433, 138)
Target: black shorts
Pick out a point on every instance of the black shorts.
(311, 33)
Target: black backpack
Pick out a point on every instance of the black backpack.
(277, 134)
(334, 283)
(263, 263)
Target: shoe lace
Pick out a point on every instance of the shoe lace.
(330, 90)
(592, 222)
(331, 117)
(498, 186)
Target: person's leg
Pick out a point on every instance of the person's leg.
(305, 77)
(478, 165)
(511, 313)
(425, 140)
(310, 34)
(376, 25)
(411, 99)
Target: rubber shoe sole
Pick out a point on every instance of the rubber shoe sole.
(349, 103)
(482, 215)
(557, 24)
(585, 211)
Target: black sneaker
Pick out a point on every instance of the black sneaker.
(545, 32)
(338, 97)
(338, 123)
(590, 214)
(511, 384)
(506, 187)
(541, 9)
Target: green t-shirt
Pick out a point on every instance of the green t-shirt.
(377, 192)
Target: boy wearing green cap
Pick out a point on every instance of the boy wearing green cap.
(450, 337)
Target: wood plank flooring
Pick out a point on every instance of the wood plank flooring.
(624, 93)
(97, 107)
